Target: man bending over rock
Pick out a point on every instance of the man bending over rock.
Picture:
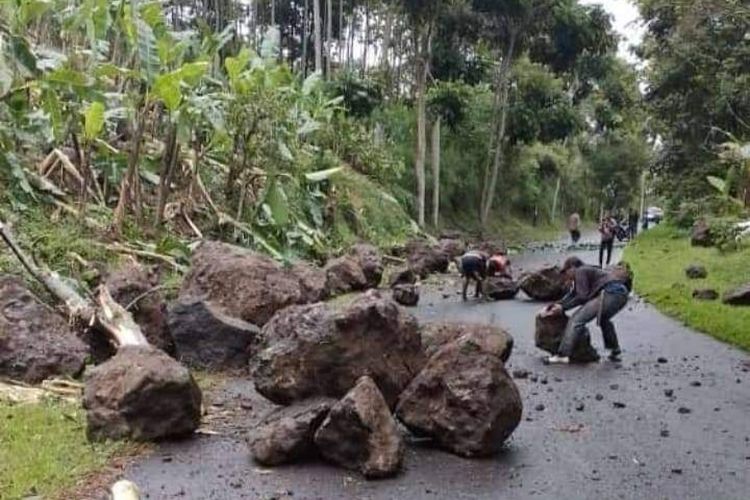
(473, 266)
(601, 295)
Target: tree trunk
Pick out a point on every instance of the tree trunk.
(273, 12)
(341, 42)
(169, 162)
(435, 142)
(422, 43)
(318, 36)
(387, 36)
(108, 315)
(367, 39)
(555, 199)
(305, 35)
(497, 158)
(329, 36)
(130, 182)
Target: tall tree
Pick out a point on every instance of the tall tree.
(318, 29)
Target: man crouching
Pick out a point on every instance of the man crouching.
(473, 266)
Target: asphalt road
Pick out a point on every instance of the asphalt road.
(676, 428)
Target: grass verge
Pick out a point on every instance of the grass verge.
(44, 450)
(659, 258)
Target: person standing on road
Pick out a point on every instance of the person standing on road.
(473, 266)
(607, 229)
(601, 295)
(633, 223)
(574, 223)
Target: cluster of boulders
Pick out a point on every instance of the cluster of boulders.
(739, 296)
(348, 375)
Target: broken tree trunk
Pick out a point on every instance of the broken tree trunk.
(140, 393)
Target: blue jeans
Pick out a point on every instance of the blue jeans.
(605, 306)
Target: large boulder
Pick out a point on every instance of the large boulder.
(406, 295)
(491, 247)
(500, 288)
(464, 400)
(546, 284)
(739, 296)
(316, 350)
(287, 434)
(209, 339)
(361, 434)
(452, 247)
(135, 287)
(370, 261)
(550, 328)
(425, 258)
(696, 272)
(141, 394)
(490, 339)
(701, 234)
(313, 281)
(345, 275)
(35, 342)
(402, 276)
(244, 284)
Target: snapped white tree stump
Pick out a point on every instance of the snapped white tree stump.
(140, 393)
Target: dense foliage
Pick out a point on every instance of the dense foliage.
(297, 126)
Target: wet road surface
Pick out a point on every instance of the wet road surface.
(671, 428)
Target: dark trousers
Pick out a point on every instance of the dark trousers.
(604, 307)
(605, 245)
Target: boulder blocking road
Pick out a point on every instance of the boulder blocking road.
(670, 422)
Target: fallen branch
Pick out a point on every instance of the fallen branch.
(120, 248)
(394, 260)
(17, 392)
(110, 317)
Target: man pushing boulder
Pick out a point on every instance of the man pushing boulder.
(601, 294)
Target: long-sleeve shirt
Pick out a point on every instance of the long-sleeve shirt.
(587, 283)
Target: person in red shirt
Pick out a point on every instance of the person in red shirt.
(499, 265)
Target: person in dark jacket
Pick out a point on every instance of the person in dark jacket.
(601, 295)
(473, 266)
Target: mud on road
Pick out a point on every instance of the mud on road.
(670, 422)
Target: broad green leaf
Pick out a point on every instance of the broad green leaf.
(68, 76)
(93, 120)
(191, 73)
(152, 13)
(167, 88)
(285, 151)
(717, 183)
(311, 83)
(236, 65)
(322, 175)
(23, 55)
(147, 52)
(278, 203)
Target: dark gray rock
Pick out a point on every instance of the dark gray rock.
(35, 342)
(141, 394)
(370, 261)
(207, 338)
(500, 288)
(696, 272)
(345, 275)
(287, 434)
(360, 433)
(701, 234)
(739, 296)
(316, 350)
(491, 339)
(546, 284)
(705, 294)
(406, 295)
(549, 333)
(464, 400)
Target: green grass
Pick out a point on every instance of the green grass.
(659, 258)
(43, 449)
